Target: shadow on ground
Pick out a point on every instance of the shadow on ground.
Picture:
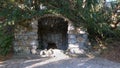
(60, 63)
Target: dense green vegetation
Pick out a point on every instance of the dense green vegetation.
(90, 14)
(6, 39)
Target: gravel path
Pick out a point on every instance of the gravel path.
(59, 63)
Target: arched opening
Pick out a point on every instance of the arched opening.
(52, 33)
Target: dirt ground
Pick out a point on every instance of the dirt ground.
(113, 51)
(60, 63)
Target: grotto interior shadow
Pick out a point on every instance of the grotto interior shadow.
(51, 45)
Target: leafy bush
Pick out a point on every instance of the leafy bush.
(6, 40)
(91, 14)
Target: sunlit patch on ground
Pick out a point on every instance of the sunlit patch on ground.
(60, 60)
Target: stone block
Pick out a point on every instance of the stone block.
(27, 50)
(15, 43)
(76, 45)
(34, 25)
(35, 30)
(71, 36)
(71, 27)
(21, 50)
(80, 39)
(33, 49)
(82, 45)
(72, 32)
(72, 40)
(33, 42)
(81, 31)
(17, 49)
(31, 33)
(76, 51)
(85, 36)
(35, 37)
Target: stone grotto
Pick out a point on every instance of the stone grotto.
(50, 31)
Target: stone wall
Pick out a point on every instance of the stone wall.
(77, 40)
(26, 40)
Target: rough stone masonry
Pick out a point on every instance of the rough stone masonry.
(25, 40)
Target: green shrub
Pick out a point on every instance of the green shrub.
(6, 40)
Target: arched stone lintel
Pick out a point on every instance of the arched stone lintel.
(57, 16)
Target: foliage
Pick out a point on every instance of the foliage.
(6, 40)
(91, 14)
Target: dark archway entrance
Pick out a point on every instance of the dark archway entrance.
(51, 45)
(52, 33)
